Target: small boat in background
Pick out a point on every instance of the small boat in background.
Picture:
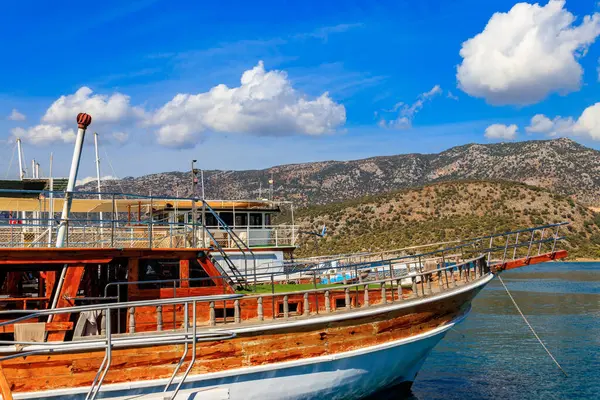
(181, 304)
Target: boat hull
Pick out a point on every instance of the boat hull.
(350, 375)
(341, 356)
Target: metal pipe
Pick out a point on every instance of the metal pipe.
(83, 121)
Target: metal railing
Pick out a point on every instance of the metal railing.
(107, 340)
(118, 229)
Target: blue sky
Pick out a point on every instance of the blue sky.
(325, 80)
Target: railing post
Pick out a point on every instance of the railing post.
(112, 223)
(347, 298)
(327, 302)
(211, 316)
(399, 285)
(366, 296)
(103, 323)
(515, 249)
(132, 320)
(541, 241)
(306, 305)
(429, 279)
(286, 307)
(236, 311)
(260, 312)
(555, 238)
(414, 285)
(453, 279)
(530, 243)
(383, 294)
(159, 318)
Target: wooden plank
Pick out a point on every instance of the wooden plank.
(69, 289)
(184, 273)
(4, 386)
(50, 327)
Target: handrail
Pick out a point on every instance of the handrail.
(113, 306)
(237, 239)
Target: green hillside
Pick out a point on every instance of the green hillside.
(446, 211)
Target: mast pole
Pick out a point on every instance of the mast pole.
(51, 206)
(83, 120)
(98, 173)
(20, 150)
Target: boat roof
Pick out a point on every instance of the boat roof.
(41, 202)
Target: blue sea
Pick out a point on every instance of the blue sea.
(493, 354)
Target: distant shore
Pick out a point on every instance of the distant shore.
(590, 260)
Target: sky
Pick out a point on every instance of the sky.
(242, 85)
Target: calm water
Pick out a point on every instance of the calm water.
(493, 355)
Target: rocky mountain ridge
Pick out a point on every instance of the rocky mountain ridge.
(560, 165)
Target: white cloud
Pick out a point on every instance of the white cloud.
(44, 134)
(93, 179)
(265, 103)
(15, 115)
(451, 96)
(108, 113)
(501, 131)
(408, 111)
(587, 125)
(103, 109)
(527, 53)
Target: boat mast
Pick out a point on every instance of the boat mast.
(51, 211)
(98, 172)
(20, 150)
(83, 120)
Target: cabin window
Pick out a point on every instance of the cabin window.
(158, 270)
(227, 217)
(256, 219)
(267, 219)
(210, 220)
(241, 219)
(198, 276)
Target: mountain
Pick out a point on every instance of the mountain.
(446, 211)
(560, 165)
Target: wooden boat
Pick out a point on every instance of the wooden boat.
(157, 321)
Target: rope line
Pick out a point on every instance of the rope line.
(12, 157)
(531, 327)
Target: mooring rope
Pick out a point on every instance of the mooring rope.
(531, 327)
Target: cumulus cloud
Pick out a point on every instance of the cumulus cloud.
(103, 109)
(501, 131)
(265, 103)
(587, 125)
(406, 112)
(44, 134)
(15, 115)
(527, 53)
(107, 111)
